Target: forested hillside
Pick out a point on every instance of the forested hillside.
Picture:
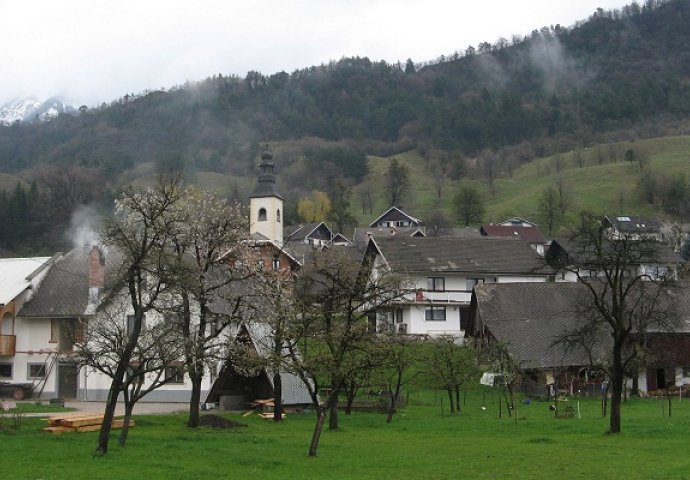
(482, 111)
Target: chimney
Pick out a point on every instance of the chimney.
(96, 267)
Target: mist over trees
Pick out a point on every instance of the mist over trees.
(506, 102)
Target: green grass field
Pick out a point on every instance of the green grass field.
(420, 443)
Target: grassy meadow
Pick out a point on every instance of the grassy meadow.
(421, 442)
(595, 186)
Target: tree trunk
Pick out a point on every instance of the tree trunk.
(457, 398)
(351, 395)
(318, 428)
(616, 386)
(109, 413)
(450, 399)
(129, 407)
(116, 387)
(277, 397)
(333, 411)
(194, 399)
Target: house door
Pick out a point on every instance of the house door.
(67, 380)
(660, 378)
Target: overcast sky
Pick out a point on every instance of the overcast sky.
(90, 51)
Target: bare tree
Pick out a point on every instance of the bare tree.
(564, 198)
(468, 205)
(549, 209)
(622, 297)
(141, 230)
(397, 182)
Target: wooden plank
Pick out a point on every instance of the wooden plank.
(73, 416)
(58, 430)
(269, 415)
(117, 424)
(80, 422)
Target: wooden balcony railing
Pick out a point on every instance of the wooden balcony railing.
(7, 345)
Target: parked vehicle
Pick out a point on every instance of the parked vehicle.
(17, 391)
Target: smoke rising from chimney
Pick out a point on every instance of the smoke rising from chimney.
(83, 228)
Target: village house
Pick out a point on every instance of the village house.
(532, 322)
(517, 228)
(64, 294)
(442, 274)
(20, 360)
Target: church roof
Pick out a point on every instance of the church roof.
(266, 182)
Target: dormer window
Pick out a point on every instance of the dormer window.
(262, 214)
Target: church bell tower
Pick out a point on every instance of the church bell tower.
(266, 204)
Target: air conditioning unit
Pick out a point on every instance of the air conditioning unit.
(402, 328)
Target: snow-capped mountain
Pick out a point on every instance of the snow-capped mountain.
(31, 109)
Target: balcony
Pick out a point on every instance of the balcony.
(7, 345)
(443, 296)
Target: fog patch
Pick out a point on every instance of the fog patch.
(83, 227)
(559, 70)
(492, 72)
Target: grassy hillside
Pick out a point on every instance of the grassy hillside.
(599, 187)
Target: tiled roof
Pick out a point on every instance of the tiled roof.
(663, 253)
(64, 292)
(394, 214)
(294, 390)
(15, 275)
(530, 319)
(529, 234)
(471, 255)
(318, 230)
(634, 223)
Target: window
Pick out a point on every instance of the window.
(398, 315)
(175, 374)
(5, 370)
(435, 314)
(278, 215)
(262, 214)
(275, 264)
(437, 284)
(36, 370)
(54, 330)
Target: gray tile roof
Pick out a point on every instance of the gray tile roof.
(64, 292)
(294, 390)
(470, 255)
(530, 318)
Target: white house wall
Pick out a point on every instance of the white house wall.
(455, 297)
(34, 346)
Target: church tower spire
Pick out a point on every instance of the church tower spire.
(266, 203)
